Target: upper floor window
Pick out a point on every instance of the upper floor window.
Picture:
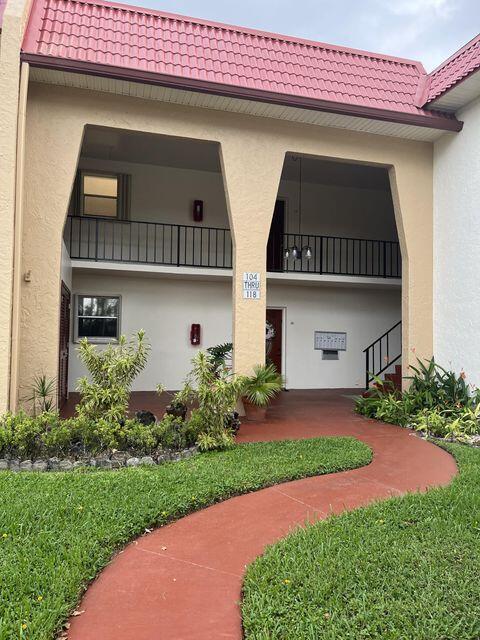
(99, 195)
(105, 195)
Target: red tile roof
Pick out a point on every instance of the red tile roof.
(460, 65)
(145, 45)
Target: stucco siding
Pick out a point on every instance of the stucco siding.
(12, 102)
(66, 268)
(166, 308)
(457, 247)
(252, 152)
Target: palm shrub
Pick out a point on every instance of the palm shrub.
(263, 386)
(43, 395)
(112, 372)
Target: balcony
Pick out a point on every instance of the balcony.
(140, 242)
(332, 255)
(155, 243)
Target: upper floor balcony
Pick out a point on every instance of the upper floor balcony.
(134, 198)
(103, 239)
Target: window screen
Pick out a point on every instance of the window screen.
(98, 317)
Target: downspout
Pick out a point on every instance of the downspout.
(18, 234)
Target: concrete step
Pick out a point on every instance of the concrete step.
(395, 378)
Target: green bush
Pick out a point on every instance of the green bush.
(107, 435)
(174, 433)
(46, 435)
(112, 372)
(438, 402)
(433, 386)
(22, 435)
(220, 353)
(451, 423)
(216, 392)
(431, 421)
(465, 424)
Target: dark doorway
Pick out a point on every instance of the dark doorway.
(64, 341)
(275, 239)
(273, 336)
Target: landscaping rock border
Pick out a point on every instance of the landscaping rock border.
(470, 441)
(117, 460)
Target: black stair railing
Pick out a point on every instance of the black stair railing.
(378, 356)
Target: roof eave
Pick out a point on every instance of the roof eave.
(430, 103)
(188, 84)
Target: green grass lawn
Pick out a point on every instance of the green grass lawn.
(407, 568)
(57, 530)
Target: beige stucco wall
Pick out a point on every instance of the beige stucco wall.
(252, 154)
(13, 25)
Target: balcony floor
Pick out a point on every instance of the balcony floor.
(203, 273)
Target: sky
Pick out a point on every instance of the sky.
(425, 30)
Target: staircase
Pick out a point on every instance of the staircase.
(395, 378)
(382, 354)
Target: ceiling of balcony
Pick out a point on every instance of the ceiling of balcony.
(182, 153)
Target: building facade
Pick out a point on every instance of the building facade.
(210, 184)
(456, 215)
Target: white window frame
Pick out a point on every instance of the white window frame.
(100, 339)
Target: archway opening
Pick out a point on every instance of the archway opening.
(334, 275)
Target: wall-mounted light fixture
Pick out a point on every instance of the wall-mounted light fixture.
(195, 332)
(198, 210)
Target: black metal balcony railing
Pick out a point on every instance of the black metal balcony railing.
(107, 240)
(344, 256)
(103, 239)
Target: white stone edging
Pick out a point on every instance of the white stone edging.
(117, 460)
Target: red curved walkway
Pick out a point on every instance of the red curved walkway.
(183, 581)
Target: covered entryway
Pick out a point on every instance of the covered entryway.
(334, 267)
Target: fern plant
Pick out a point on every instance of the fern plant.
(112, 371)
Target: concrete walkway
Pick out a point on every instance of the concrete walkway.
(183, 581)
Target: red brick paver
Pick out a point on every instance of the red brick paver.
(183, 581)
